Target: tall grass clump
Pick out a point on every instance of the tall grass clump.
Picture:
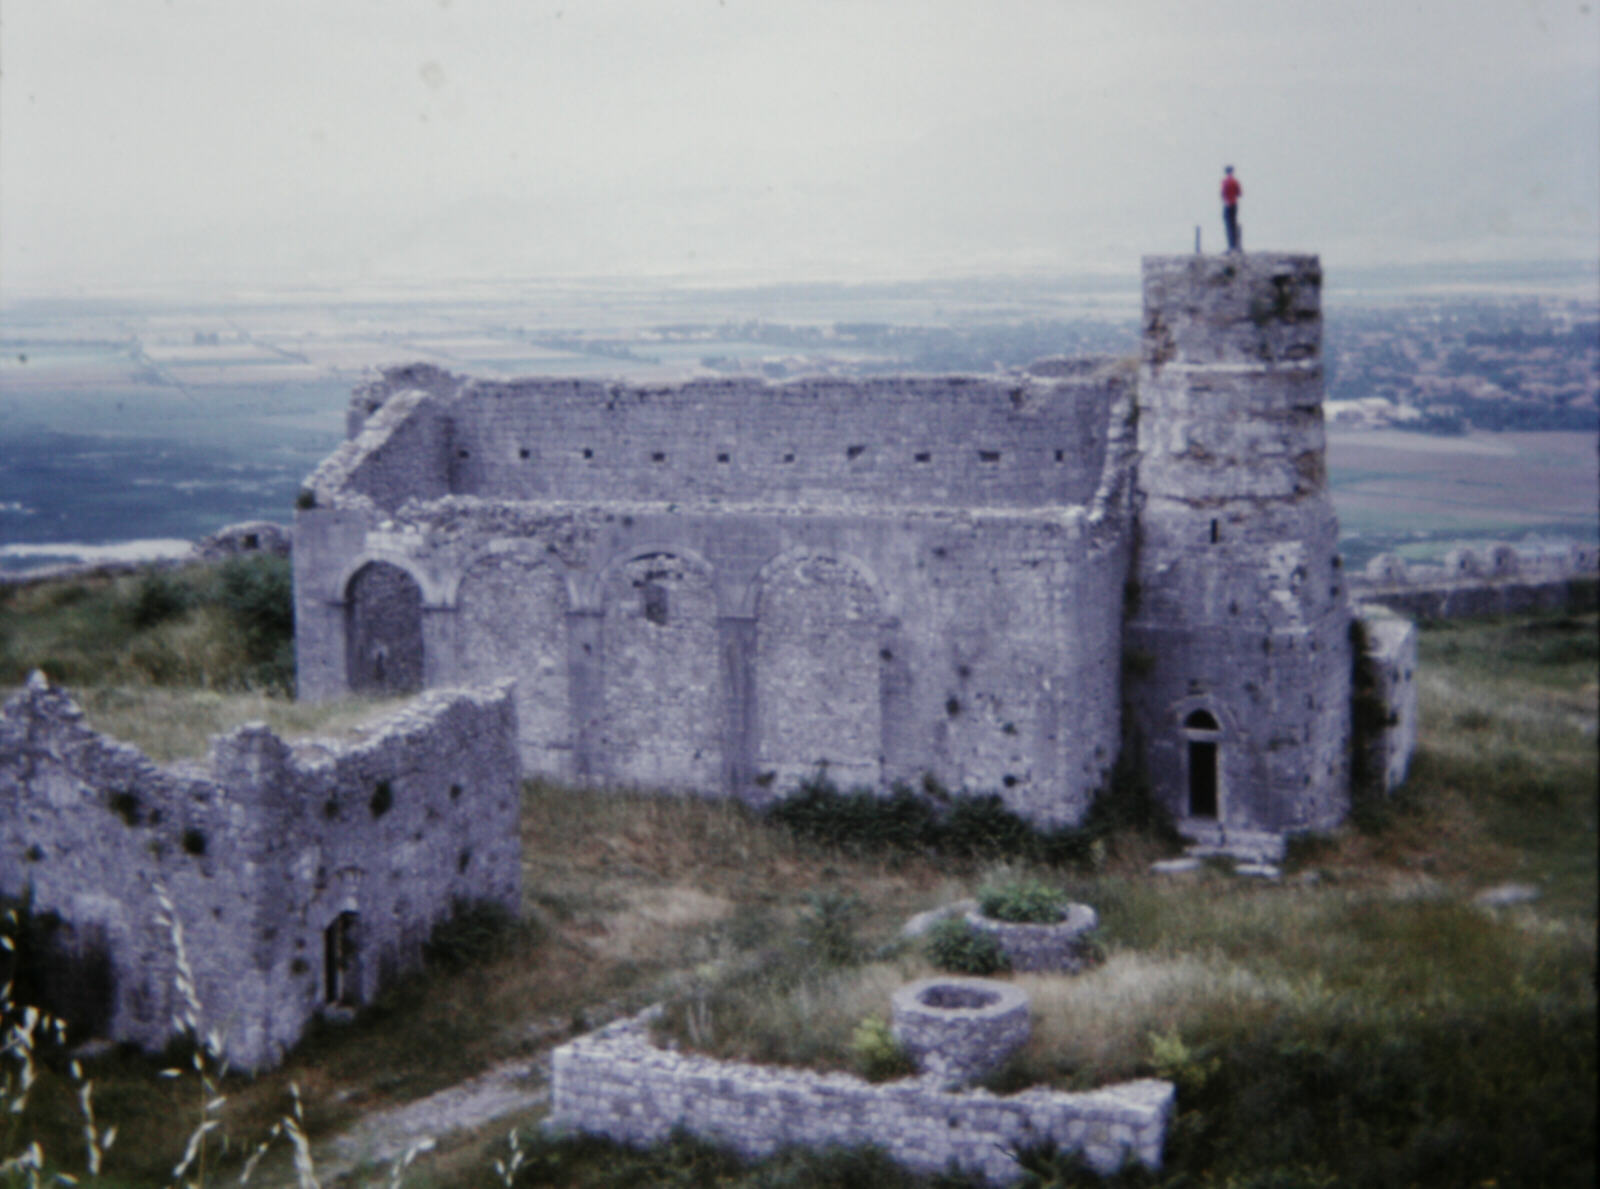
(227, 627)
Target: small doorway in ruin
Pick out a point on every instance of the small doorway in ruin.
(1202, 734)
(341, 961)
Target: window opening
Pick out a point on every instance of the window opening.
(1202, 732)
(341, 968)
(1202, 778)
(655, 602)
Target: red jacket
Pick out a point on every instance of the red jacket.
(1231, 189)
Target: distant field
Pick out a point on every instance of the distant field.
(129, 421)
(1420, 495)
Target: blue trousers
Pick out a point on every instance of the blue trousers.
(1230, 221)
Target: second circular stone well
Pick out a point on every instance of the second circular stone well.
(960, 1029)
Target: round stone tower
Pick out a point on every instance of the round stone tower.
(1236, 645)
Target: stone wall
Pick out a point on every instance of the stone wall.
(616, 1083)
(952, 441)
(303, 875)
(1499, 580)
(738, 639)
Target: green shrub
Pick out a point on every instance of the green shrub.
(877, 1055)
(258, 594)
(158, 598)
(967, 827)
(476, 932)
(859, 822)
(954, 945)
(1024, 901)
(828, 927)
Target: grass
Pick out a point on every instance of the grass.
(219, 627)
(1363, 1022)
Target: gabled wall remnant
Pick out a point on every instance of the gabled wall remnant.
(303, 875)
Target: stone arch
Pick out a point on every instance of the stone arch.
(818, 701)
(432, 594)
(383, 630)
(662, 690)
(511, 608)
(750, 602)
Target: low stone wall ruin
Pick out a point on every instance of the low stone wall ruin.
(617, 1083)
(303, 876)
(1500, 580)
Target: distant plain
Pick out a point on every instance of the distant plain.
(147, 418)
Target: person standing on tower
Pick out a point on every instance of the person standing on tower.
(1231, 189)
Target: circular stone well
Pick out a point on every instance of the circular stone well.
(1056, 945)
(959, 1029)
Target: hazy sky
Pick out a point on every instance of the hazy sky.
(239, 143)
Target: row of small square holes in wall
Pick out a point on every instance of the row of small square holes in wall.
(850, 452)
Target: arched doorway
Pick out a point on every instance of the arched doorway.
(383, 630)
(341, 961)
(1203, 737)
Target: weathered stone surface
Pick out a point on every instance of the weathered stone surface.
(957, 1030)
(1239, 624)
(1054, 946)
(617, 1084)
(1506, 894)
(1175, 866)
(727, 586)
(302, 876)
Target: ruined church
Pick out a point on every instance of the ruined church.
(1001, 581)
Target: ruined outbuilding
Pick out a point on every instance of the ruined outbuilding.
(727, 586)
(301, 876)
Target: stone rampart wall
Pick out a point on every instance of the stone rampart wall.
(263, 850)
(951, 441)
(737, 653)
(1498, 580)
(743, 639)
(618, 1084)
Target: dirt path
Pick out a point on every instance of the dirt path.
(382, 1137)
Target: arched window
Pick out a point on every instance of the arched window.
(1203, 739)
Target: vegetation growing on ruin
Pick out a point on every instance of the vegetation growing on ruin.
(1365, 1021)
